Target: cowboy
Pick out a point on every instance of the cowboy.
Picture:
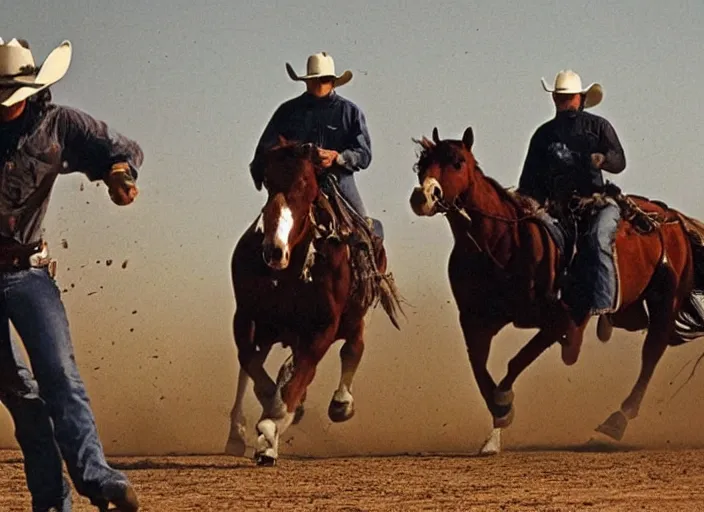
(38, 142)
(565, 160)
(322, 117)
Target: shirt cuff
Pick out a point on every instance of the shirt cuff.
(340, 160)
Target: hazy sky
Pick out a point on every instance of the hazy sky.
(195, 82)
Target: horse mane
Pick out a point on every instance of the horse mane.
(524, 204)
(288, 148)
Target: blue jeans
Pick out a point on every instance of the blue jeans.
(348, 187)
(52, 415)
(593, 288)
(349, 190)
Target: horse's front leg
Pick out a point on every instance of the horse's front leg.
(342, 403)
(251, 363)
(293, 380)
(543, 339)
(478, 335)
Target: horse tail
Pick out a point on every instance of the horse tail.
(689, 324)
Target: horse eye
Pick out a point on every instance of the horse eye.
(458, 164)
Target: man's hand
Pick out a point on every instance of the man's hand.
(598, 160)
(328, 157)
(121, 186)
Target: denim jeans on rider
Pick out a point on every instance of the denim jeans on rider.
(348, 187)
(593, 289)
(31, 300)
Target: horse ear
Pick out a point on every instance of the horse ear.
(436, 137)
(282, 140)
(468, 138)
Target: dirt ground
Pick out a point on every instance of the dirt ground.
(556, 480)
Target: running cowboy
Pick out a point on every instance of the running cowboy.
(565, 160)
(38, 142)
(322, 117)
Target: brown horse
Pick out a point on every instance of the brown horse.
(304, 274)
(504, 266)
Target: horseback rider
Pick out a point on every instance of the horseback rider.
(565, 160)
(38, 142)
(322, 117)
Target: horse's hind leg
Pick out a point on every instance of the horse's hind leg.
(236, 444)
(342, 403)
(659, 333)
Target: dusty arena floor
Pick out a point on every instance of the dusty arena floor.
(571, 479)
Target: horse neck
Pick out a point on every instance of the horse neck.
(494, 217)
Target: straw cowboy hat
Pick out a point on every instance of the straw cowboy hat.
(320, 65)
(20, 78)
(569, 82)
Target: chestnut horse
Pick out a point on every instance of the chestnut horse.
(304, 274)
(504, 267)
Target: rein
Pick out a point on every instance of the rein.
(462, 212)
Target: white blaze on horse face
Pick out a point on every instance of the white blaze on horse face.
(284, 225)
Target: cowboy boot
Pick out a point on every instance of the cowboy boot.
(571, 341)
(604, 328)
(120, 494)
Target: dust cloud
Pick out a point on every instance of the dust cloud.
(153, 342)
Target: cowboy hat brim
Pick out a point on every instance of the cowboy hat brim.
(339, 80)
(51, 71)
(593, 94)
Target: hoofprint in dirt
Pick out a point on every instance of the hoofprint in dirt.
(547, 480)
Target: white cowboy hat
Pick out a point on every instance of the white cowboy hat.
(318, 66)
(20, 78)
(569, 82)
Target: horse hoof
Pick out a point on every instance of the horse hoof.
(604, 328)
(504, 421)
(492, 445)
(235, 447)
(265, 460)
(298, 415)
(340, 411)
(503, 398)
(614, 426)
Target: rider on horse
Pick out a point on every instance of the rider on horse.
(335, 125)
(564, 163)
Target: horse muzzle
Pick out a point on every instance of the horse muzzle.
(275, 255)
(425, 200)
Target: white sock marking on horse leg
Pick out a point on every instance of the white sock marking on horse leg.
(492, 445)
(342, 394)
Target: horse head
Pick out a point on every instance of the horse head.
(446, 172)
(289, 176)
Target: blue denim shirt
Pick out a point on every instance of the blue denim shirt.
(38, 147)
(332, 122)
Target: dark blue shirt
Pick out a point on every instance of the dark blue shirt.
(332, 122)
(583, 133)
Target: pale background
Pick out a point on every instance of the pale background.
(195, 82)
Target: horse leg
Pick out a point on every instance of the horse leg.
(478, 338)
(291, 385)
(238, 425)
(342, 403)
(659, 332)
(251, 366)
(543, 339)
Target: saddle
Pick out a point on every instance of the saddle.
(364, 242)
